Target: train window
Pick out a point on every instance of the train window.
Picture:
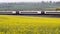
(28, 12)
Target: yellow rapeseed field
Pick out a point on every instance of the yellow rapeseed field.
(10, 24)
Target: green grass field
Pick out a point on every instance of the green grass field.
(10, 24)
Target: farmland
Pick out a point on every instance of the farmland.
(17, 24)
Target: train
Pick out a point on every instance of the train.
(30, 12)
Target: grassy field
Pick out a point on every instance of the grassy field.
(10, 24)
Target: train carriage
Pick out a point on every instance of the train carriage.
(52, 12)
(7, 12)
(29, 12)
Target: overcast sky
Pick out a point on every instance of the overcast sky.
(26, 0)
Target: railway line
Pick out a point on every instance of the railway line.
(30, 12)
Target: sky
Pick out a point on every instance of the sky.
(27, 0)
